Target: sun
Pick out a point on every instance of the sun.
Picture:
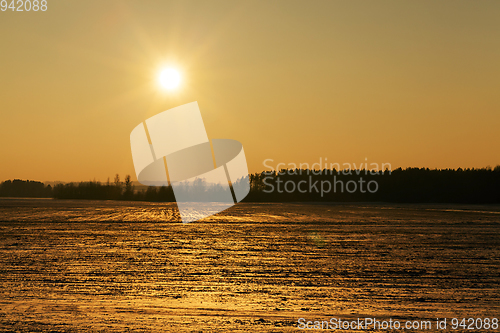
(169, 78)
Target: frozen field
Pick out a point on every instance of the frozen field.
(84, 266)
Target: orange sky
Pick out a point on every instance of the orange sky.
(411, 83)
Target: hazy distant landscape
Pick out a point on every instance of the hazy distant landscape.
(115, 266)
(410, 185)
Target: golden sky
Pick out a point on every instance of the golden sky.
(411, 83)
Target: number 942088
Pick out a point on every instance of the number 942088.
(23, 5)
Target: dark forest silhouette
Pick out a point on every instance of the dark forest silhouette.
(418, 185)
(116, 190)
(25, 189)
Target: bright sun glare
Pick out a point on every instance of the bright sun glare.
(169, 78)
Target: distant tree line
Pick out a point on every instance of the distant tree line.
(116, 190)
(419, 185)
(25, 189)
